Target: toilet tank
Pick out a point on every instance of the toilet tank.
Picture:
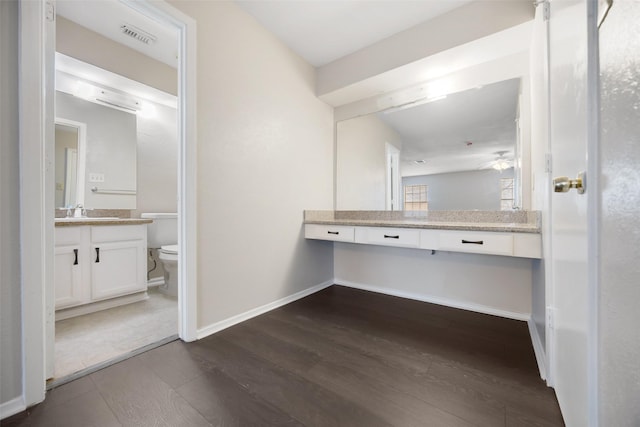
(163, 230)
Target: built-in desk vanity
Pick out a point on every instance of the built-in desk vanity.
(515, 234)
(99, 263)
(484, 261)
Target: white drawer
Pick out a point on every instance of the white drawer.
(402, 237)
(527, 245)
(336, 233)
(118, 233)
(476, 242)
(69, 235)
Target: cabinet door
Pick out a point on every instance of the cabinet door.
(68, 278)
(118, 268)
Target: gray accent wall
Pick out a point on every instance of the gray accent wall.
(10, 317)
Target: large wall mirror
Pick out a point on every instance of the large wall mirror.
(459, 151)
(95, 157)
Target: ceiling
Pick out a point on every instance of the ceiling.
(322, 31)
(464, 131)
(105, 17)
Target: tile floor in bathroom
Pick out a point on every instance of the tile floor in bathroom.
(84, 341)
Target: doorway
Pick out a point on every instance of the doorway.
(37, 201)
(108, 309)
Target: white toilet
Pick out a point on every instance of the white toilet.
(162, 234)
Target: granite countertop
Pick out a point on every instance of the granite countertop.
(70, 222)
(514, 222)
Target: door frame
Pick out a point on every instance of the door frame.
(37, 49)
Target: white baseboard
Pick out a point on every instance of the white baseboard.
(67, 313)
(538, 349)
(12, 407)
(224, 324)
(436, 300)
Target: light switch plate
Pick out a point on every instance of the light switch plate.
(96, 177)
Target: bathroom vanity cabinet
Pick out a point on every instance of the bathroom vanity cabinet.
(98, 266)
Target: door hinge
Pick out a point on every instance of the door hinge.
(551, 318)
(547, 163)
(50, 12)
(546, 10)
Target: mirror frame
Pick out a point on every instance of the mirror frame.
(82, 155)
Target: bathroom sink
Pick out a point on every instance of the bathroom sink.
(102, 218)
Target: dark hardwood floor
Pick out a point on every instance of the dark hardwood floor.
(340, 357)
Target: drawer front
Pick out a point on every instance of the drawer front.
(527, 245)
(118, 233)
(336, 233)
(401, 237)
(68, 235)
(476, 242)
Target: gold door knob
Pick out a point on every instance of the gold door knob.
(562, 184)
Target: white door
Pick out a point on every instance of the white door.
(619, 269)
(568, 303)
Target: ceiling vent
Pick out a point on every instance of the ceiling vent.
(138, 34)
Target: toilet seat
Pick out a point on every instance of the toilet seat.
(169, 249)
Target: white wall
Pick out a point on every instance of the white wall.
(465, 24)
(265, 153)
(361, 162)
(157, 162)
(490, 284)
(469, 190)
(619, 281)
(110, 150)
(88, 46)
(10, 330)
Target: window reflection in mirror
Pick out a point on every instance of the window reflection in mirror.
(461, 146)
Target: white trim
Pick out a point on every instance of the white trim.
(12, 407)
(538, 349)
(37, 38)
(187, 161)
(594, 212)
(239, 318)
(68, 313)
(435, 300)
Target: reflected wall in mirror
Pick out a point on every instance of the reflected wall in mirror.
(109, 178)
(460, 151)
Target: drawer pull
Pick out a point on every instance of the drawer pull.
(333, 232)
(473, 242)
(387, 236)
(97, 254)
(75, 254)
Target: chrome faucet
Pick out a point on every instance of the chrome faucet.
(79, 211)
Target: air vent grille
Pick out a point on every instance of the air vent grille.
(138, 34)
